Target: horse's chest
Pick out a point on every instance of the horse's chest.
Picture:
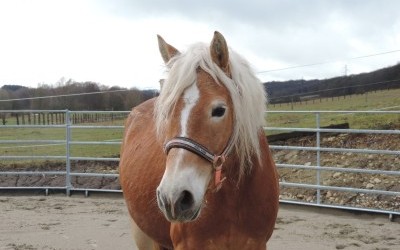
(219, 233)
(233, 240)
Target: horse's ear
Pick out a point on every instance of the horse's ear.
(219, 52)
(167, 51)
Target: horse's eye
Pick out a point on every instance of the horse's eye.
(218, 112)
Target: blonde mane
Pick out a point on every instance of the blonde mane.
(246, 90)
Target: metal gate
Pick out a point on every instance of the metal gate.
(381, 185)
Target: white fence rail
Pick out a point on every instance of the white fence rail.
(317, 190)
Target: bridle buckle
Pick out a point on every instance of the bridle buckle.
(217, 165)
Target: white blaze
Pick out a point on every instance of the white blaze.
(180, 175)
(190, 97)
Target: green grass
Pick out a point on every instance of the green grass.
(370, 101)
(59, 149)
(380, 100)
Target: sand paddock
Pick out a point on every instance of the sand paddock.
(101, 222)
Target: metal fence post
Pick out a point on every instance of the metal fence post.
(67, 153)
(318, 141)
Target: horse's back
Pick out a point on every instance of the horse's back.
(141, 167)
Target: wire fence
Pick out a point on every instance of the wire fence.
(328, 168)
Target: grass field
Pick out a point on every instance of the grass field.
(381, 100)
(369, 101)
(59, 148)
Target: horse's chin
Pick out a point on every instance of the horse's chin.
(185, 217)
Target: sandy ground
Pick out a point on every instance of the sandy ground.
(101, 222)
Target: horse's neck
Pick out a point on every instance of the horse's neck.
(262, 172)
(240, 174)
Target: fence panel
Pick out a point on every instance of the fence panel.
(319, 169)
(54, 164)
(327, 169)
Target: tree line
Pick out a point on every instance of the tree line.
(111, 98)
(117, 98)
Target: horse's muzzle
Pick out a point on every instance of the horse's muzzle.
(179, 208)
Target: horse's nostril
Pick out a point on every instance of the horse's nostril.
(185, 201)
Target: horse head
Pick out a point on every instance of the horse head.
(199, 124)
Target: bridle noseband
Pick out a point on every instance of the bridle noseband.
(216, 160)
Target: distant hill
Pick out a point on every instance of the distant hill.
(295, 90)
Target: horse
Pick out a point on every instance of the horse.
(195, 167)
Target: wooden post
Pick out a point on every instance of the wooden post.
(17, 118)
(292, 103)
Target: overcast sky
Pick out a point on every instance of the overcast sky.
(114, 42)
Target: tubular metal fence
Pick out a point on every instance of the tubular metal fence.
(316, 189)
(66, 130)
(387, 193)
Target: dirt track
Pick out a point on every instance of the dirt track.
(78, 223)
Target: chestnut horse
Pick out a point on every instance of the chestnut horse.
(195, 169)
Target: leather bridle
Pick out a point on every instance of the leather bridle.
(217, 161)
